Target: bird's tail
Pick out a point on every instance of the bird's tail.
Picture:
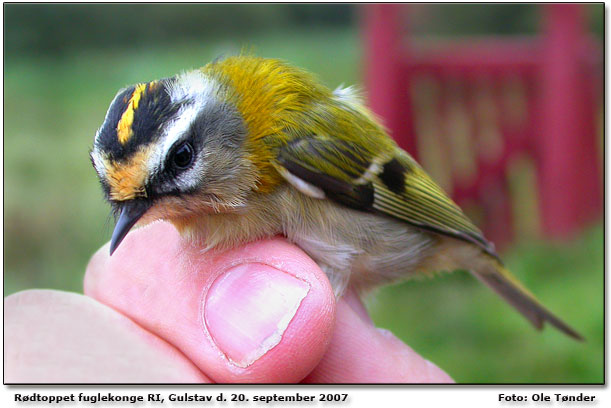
(494, 275)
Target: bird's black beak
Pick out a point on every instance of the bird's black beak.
(131, 212)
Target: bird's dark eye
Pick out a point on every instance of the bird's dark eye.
(182, 157)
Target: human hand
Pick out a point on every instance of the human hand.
(261, 313)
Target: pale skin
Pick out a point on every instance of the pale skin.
(160, 310)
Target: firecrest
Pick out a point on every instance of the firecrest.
(247, 148)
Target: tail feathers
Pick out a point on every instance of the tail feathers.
(503, 283)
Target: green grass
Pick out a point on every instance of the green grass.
(462, 326)
(55, 217)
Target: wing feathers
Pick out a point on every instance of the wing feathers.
(396, 186)
(393, 176)
(355, 196)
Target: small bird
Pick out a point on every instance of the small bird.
(247, 148)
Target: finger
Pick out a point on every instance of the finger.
(362, 353)
(259, 313)
(61, 337)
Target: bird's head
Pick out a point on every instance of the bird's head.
(172, 149)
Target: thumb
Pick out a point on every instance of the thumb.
(260, 313)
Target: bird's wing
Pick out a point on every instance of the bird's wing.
(394, 185)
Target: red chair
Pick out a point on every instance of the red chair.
(483, 104)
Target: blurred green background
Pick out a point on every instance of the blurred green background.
(63, 65)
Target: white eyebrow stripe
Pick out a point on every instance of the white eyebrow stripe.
(194, 90)
(176, 130)
(98, 163)
(192, 85)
